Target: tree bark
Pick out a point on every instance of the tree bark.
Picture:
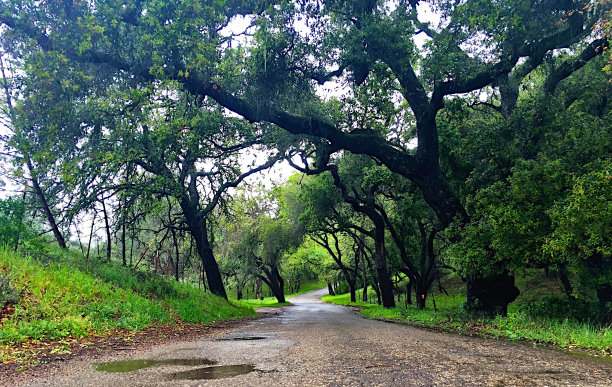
(567, 286)
(330, 289)
(123, 242)
(409, 294)
(364, 275)
(275, 282)
(176, 253)
(108, 232)
(239, 291)
(46, 209)
(380, 261)
(258, 289)
(93, 221)
(197, 229)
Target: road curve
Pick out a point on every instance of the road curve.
(317, 344)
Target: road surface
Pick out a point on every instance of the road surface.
(312, 343)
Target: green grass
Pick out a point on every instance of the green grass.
(254, 302)
(565, 333)
(272, 301)
(188, 302)
(57, 300)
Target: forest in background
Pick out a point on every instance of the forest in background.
(474, 165)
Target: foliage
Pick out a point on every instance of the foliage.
(12, 225)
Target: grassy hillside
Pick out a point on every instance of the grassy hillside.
(57, 299)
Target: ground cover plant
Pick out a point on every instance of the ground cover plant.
(57, 300)
(519, 325)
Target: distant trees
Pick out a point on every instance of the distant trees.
(258, 245)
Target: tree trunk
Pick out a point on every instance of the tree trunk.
(281, 285)
(604, 294)
(108, 232)
(211, 269)
(132, 247)
(197, 228)
(45, 205)
(275, 282)
(364, 275)
(93, 221)
(16, 247)
(567, 286)
(258, 294)
(123, 246)
(421, 297)
(384, 279)
(239, 291)
(600, 270)
(426, 275)
(353, 291)
(409, 294)
(330, 289)
(176, 253)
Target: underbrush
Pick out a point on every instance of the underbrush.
(58, 299)
(518, 325)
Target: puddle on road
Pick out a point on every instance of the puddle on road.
(134, 365)
(214, 372)
(239, 338)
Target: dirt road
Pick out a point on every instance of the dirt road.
(312, 343)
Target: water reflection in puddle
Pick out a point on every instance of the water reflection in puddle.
(134, 365)
(215, 372)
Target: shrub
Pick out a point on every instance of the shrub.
(561, 307)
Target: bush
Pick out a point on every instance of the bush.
(561, 307)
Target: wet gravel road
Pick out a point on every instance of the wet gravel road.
(312, 343)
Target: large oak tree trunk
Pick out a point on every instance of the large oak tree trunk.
(281, 285)
(275, 282)
(380, 261)
(211, 269)
(197, 229)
